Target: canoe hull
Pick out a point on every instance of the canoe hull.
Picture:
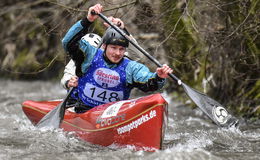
(139, 123)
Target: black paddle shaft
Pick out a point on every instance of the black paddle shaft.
(215, 111)
(137, 46)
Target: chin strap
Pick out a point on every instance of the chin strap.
(105, 55)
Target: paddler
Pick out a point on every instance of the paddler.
(105, 74)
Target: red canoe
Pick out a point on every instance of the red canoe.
(139, 123)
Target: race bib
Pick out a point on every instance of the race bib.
(101, 94)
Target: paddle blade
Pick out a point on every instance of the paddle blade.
(53, 118)
(214, 110)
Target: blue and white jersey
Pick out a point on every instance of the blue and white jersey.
(101, 84)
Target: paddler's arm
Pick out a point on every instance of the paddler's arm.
(78, 30)
(75, 33)
(139, 76)
(72, 43)
(68, 73)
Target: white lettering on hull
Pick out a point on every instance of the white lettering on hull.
(136, 123)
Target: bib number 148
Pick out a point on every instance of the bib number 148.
(102, 95)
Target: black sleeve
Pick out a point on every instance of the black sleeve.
(73, 46)
(150, 85)
(73, 43)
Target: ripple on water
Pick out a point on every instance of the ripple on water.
(190, 134)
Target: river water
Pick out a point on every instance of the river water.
(190, 135)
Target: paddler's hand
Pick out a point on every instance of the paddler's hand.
(98, 8)
(116, 21)
(163, 71)
(73, 82)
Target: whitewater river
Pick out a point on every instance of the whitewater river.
(190, 134)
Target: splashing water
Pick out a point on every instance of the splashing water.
(190, 134)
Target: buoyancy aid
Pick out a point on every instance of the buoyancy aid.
(101, 84)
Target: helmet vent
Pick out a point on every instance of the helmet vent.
(111, 36)
(91, 35)
(92, 38)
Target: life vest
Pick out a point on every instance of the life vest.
(101, 84)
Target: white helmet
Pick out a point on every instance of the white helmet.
(92, 38)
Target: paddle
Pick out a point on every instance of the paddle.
(214, 110)
(55, 116)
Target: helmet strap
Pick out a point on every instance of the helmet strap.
(105, 56)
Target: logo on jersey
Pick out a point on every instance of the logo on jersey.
(106, 78)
